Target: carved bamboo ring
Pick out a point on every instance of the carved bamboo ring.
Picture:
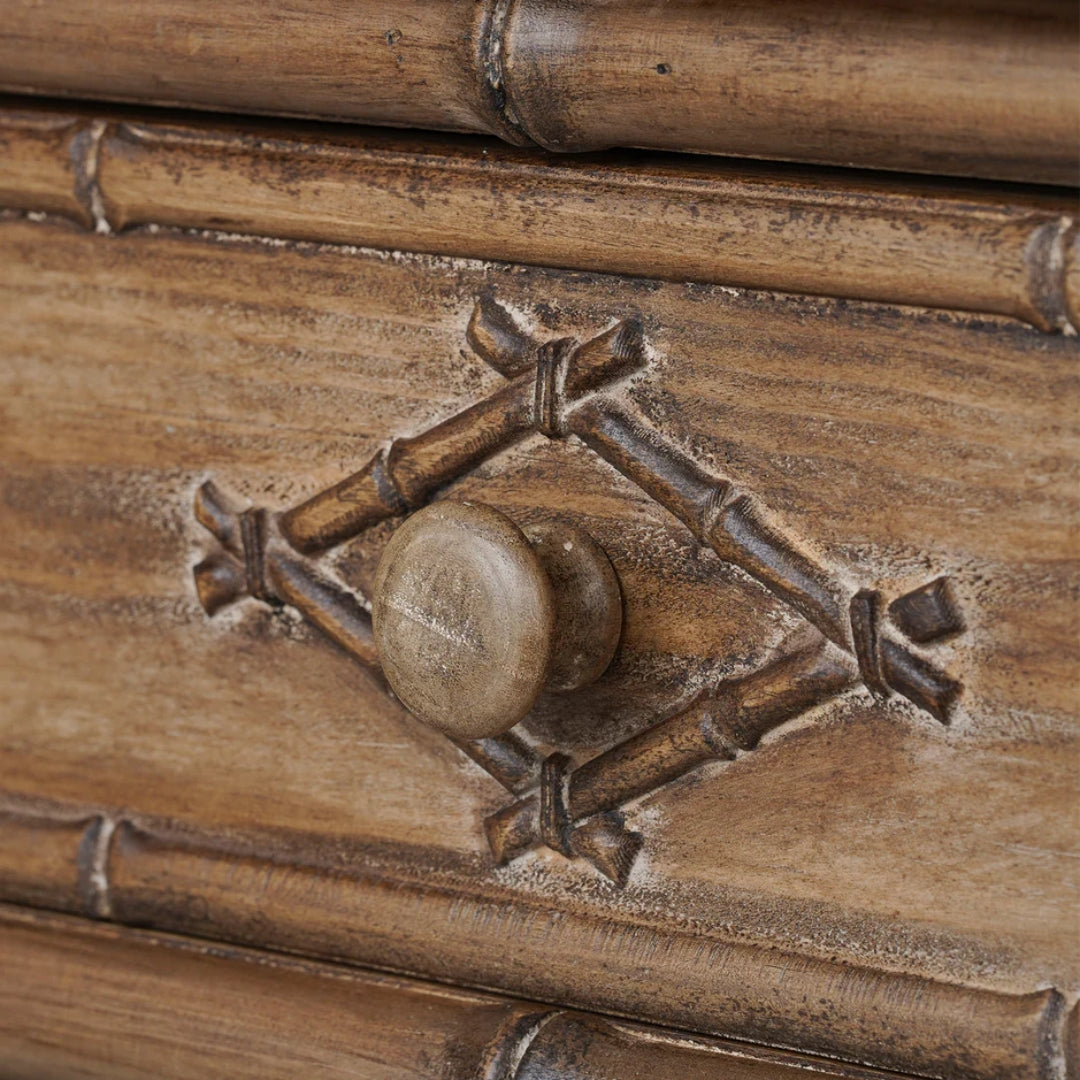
(474, 617)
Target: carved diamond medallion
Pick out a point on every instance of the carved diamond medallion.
(565, 388)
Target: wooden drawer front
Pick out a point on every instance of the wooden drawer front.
(868, 882)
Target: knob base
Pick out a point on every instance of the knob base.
(588, 604)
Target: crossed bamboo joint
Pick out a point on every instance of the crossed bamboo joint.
(564, 388)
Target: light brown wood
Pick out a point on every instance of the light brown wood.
(982, 87)
(865, 882)
(42, 155)
(47, 858)
(923, 85)
(922, 1025)
(85, 1000)
(931, 243)
(169, 1007)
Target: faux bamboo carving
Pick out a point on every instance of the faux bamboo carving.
(563, 388)
(828, 82)
(403, 477)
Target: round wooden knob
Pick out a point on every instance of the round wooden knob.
(473, 617)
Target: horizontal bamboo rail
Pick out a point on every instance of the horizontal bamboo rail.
(974, 89)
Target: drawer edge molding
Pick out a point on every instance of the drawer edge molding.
(389, 917)
(209, 1006)
(924, 243)
(918, 88)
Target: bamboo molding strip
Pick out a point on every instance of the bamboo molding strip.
(931, 244)
(214, 1011)
(391, 910)
(976, 89)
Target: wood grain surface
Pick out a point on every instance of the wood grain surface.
(865, 884)
(979, 88)
(171, 1008)
(932, 243)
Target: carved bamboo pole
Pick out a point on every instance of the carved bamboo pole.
(329, 608)
(401, 478)
(573, 811)
(507, 758)
(828, 82)
(404, 476)
(734, 525)
(717, 515)
(254, 562)
(729, 717)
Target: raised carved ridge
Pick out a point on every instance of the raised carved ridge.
(214, 1009)
(492, 69)
(928, 243)
(925, 94)
(202, 883)
(558, 388)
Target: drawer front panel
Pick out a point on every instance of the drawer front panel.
(866, 881)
